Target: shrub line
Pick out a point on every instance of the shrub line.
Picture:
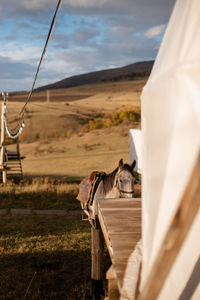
(22, 211)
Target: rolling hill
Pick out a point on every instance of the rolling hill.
(131, 71)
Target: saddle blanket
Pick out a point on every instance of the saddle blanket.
(85, 188)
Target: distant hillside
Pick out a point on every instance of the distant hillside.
(128, 72)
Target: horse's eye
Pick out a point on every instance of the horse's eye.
(120, 180)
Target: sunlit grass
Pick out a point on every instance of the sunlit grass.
(41, 193)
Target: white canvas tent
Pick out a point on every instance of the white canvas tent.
(171, 143)
(135, 146)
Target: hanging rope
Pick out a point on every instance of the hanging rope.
(13, 136)
(15, 132)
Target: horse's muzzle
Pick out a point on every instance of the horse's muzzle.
(127, 194)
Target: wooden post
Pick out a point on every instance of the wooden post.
(3, 144)
(17, 146)
(113, 291)
(175, 237)
(96, 253)
(48, 95)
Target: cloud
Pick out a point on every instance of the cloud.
(15, 75)
(147, 8)
(154, 31)
(83, 35)
(18, 75)
(32, 4)
(11, 70)
(18, 64)
(17, 52)
(38, 4)
(85, 3)
(89, 35)
(115, 53)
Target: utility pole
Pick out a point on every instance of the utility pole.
(48, 96)
(3, 144)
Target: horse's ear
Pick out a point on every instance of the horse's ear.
(133, 164)
(121, 163)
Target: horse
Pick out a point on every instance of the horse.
(99, 185)
(118, 184)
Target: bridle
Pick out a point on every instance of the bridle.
(124, 192)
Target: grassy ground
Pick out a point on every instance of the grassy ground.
(53, 251)
(42, 193)
(44, 257)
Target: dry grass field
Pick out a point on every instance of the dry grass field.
(48, 257)
(53, 142)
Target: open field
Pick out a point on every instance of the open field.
(48, 257)
(53, 141)
(108, 91)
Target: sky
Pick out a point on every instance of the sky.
(89, 35)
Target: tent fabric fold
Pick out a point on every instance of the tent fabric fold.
(171, 141)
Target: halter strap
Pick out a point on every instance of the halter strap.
(121, 191)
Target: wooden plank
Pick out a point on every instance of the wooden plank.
(105, 233)
(120, 276)
(118, 246)
(119, 271)
(120, 220)
(119, 203)
(124, 228)
(115, 221)
(120, 200)
(113, 291)
(112, 222)
(120, 267)
(123, 218)
(175, 236)
(119, 209)
(121, 254)
(123, 237)
(120, 242)
(121, 212)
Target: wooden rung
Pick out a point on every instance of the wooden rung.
(14, 174)
(4, 168)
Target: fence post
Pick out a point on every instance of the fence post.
(48, 95)
(96, 253)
